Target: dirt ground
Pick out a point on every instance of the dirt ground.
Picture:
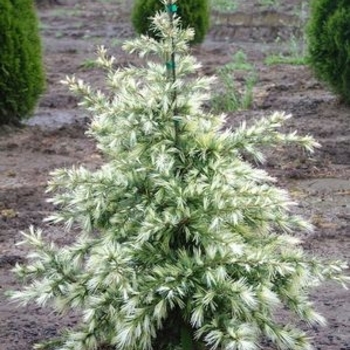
(55, 137)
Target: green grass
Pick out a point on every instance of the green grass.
(224, 5)
(43, 26)
(295, 56)
(282, 59)
(59, 34)
(64, 12)
(235, 97)
(273, 3)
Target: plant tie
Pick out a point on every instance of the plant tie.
(172, 8)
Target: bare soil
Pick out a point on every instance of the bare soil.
(55, 137)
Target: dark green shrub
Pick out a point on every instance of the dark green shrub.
(21, 71)
(193, 13)
(329, 44)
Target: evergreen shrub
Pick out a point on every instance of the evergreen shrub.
(328, 37)
(193, 13)
(179, 243)
(21, 70)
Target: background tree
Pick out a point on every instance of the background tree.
(21, 70)
(193, 13)
(183, 244)
(329, 44)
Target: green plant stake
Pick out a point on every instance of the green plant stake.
(185, 330)
(179, 243)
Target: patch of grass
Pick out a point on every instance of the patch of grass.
(232, 5)
(234, 97)
(78, 25)
(240, 62)
(224, 5)
(282, 59)
(64, 12)
(268, 3)
(59, 34)
(88, 35)
(295, 55)
(43, 26)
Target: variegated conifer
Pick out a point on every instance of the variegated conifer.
(183, 244)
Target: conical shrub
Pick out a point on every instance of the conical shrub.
(21, 70)
(193, 13)
(180, 243)
(328, 36)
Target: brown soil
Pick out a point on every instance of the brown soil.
(55, 137)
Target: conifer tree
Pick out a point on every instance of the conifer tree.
(328, 35)
(183, 244)
(22, 77)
